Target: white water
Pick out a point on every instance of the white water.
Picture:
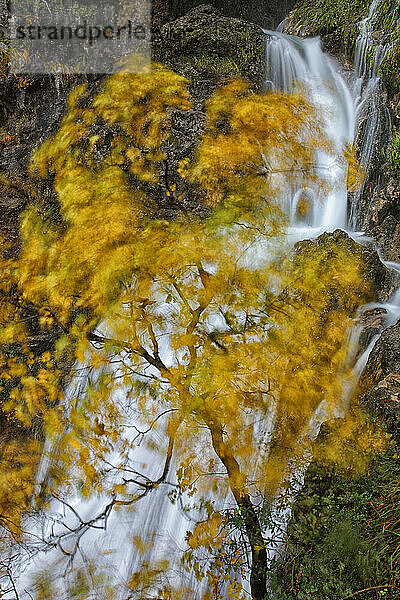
(293, 63)
(366, 91)
(290, 62)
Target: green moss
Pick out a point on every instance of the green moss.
(234, 64)
(326, 16)
(393, 153)
(217, 65)
(322, 17)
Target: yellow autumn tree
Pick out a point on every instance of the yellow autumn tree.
(185, 317)
(20, 438)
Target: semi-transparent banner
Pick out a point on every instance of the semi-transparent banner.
(79, 36)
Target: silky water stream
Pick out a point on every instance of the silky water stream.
(344, 101)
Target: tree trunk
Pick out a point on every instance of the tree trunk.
(258, 575)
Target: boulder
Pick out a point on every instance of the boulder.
(266, 13)
(378, 281)
(371, 323)
(209, 48)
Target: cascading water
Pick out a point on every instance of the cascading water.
(296, 64)
(292, 63)
(367, 94)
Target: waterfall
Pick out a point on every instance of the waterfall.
(366, 91)
(352, 108)
(295, 64)
(352, 111)
(291, 64)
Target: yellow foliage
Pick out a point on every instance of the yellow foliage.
(208, 336)
(250, 137)
(310, 364)
(355, 173)
(82, 262)
(207, 533)
(28, 386)
(19, 459)
(351, 442)
(80, 583)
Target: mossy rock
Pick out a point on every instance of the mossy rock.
(204, 44)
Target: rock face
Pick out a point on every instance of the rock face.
(332, 40)
(27, 118)
(205, 46)
(380, 217)
(380, 382)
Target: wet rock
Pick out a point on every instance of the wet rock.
(293, 26)
(380, 381)
(372, 322)
(373, 132)
(331, 39)
(385, 357)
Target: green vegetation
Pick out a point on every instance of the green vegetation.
(393, 153)
(345, 534)
(231, 50)
(236, 63)
(323, 17)
(218, 65)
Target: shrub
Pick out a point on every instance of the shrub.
(394, 152)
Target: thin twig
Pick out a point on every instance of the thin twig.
(370, 589)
